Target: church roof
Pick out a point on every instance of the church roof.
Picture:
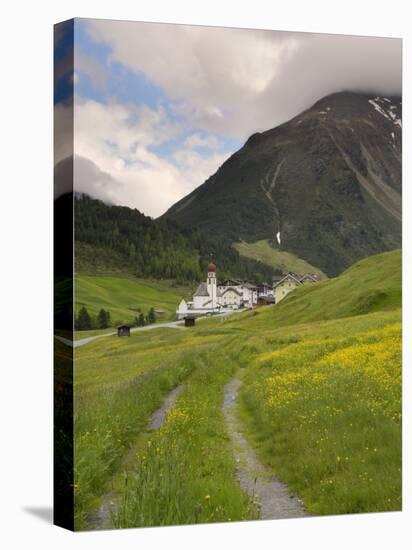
(231, 282)
(201, 290)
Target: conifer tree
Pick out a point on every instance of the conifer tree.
(102, 319)
(151, 317)
(84, 321)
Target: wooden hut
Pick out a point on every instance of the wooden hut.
(123, 330)
(189, 321)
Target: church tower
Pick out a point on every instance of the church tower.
(212, 284)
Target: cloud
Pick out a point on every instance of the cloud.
(63, 131)
(214, 86)
(237, 81)
(197, 141)
(87, 65)
(115, 163)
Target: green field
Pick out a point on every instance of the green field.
(262, 251)
(320, 401)
(125, 297)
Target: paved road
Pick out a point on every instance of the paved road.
(172, 324)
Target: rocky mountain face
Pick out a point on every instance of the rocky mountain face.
(325, 186)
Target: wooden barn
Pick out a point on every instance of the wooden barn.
(190, 321)
(123, 330)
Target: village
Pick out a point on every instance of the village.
(212, 297)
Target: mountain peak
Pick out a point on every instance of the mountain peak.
(324, 186)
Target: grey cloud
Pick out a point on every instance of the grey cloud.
(331, 63)
(238, 81)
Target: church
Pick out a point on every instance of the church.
(210, 297)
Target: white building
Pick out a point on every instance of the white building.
(265, 290)
(231, 298)
(211, 298)
(246, 291)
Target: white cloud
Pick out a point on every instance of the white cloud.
(196, 141)
(209, 72)
(238, 81)
(114, 162)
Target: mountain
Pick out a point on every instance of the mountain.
(118, 239)
(324, 186)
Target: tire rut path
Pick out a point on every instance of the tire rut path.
(273, 498)
(102, 518)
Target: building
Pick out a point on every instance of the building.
(264, 290)
(206, 299)
(190, 321)
(282, 288)
(266, 300)
(246, 292)
(123, 330)
(309, 278)
(284, 284)
(250, 295)
(210, 297)
(231, 297)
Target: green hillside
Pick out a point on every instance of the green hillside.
(124, 297)
(263, 252)
(373, 284)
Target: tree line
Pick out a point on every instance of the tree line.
(161, 249)
(85, 321)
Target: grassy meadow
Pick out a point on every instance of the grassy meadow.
(125, 297)
(324, 411)
(320, 401)
(263, 251)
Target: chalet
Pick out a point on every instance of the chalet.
(246, 291)
(250, 295)
(263, 290)
(123, 330)
(309, 278)
(276, 279)
(282, 288)
(284, 284)
(231, 297)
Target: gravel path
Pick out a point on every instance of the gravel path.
(102, 518)
(83, 341)
(171, 324)
(273, 497)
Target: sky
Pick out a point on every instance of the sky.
(159, 107)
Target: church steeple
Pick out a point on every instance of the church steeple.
(211, 283)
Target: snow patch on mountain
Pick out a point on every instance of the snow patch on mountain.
(378, 104)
